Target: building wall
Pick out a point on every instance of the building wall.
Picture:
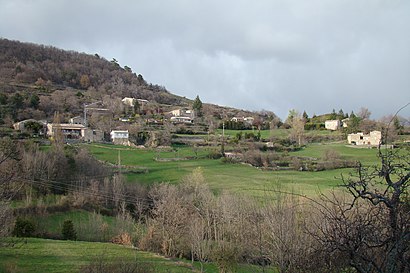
(372, 139)
(93, 135)
(332, 125)
(120, 137)
(76, 120)
(128, 101)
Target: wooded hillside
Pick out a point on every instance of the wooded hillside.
(37, 80)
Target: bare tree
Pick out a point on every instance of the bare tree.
(9, 183)
(364, 113)
(297, 123)
(372, 231)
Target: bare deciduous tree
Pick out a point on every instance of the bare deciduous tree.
(9, 184)
(372, 232)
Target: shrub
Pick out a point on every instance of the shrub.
(23, 228)
(68, 231)
(214, 154)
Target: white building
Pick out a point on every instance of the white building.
(182, 113)
(131, 101)
(120, 137)
(333, 125)
(248, 120)
(128, 101)
(181, 120)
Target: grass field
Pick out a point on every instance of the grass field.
(233, 177)
(54, 256)
(277, 133)
(41, 255)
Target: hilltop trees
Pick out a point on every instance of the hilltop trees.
(47, 70)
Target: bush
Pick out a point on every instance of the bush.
(68, 231)
(23, 228)
(214, 154)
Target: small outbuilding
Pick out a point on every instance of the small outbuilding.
(333, 125)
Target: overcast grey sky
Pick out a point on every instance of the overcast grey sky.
(314, 55)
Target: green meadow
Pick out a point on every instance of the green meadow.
(221, 176)
(54, 256)
(277, 133)
(42, 255)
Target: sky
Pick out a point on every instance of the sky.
(275, 55)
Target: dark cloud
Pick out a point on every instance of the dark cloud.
(272, 54)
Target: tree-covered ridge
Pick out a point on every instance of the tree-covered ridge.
(40, 71)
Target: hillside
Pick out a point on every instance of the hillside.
(50, 79)
(36, 81)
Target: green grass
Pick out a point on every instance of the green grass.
(233, 177)
(42, 255)
(277, 133)
(364, 155)
(55, 256)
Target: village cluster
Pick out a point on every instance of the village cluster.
(77, 129)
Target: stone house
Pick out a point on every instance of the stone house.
(75, 132)
(31, 125)
(69, 131)
(333, 124)
(372, 139)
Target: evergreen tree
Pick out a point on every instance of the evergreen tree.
(34, 101)
(197, 106)
(68, 231)
(341, 114)
(305, 116)
(333, 115)
(137, 107)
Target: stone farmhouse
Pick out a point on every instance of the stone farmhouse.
(72, 132)
(120, 137)
(26, 125)
(372, 139)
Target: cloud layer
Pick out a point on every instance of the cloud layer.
(268, 54)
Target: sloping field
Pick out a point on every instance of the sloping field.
(233, 177)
